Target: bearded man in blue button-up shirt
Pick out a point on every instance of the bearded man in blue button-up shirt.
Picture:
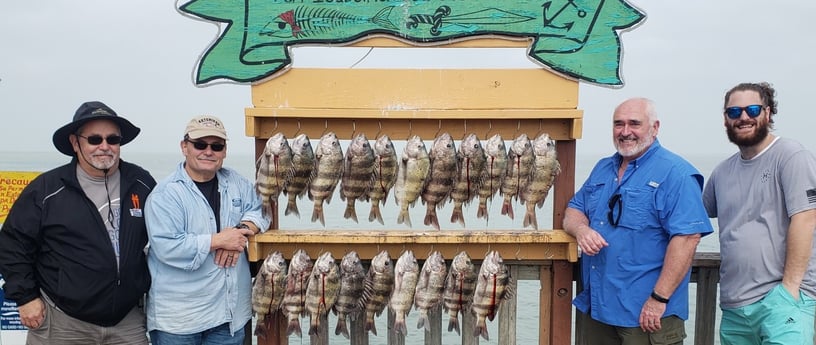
(638, 219)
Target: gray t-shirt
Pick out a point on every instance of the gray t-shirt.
(753, 201)
(101, 196)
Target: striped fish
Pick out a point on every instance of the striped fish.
(385, 176)
(495, 169)
(352, 276)
(302, 165)
(268, 290)
(542, 176)
(413, 170)
(469, 176)
(326, 174)
(377, 288)
(493, 286)
(430, 287)
(274, 171)
(406, 274)
(322, 290)
(358, 174)
(294, 298)
(459, 286)
(519, 164)
(441, 175)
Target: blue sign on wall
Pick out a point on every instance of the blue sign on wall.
(9, 316)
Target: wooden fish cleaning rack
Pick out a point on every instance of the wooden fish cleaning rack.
(402, 102)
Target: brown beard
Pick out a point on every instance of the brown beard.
(760, 135)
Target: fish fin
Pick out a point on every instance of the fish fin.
(530, 217)
(260, 327)
(350, 211)
(381, 18)
(341, 328)
(453, 324)
(291, 207)
(482, 211)
(314, 324)
(481, 329)
(423, 321)
(399, 325)
(294, 327)
(375, 213)
(456, 215)
(430, 217)
(404, 217)
(370, 326)
(507, 208)
(317, 213)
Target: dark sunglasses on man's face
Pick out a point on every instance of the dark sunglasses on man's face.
(201, 146)
(735, 112)
(97, 139)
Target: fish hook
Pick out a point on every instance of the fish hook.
(379, 129)
(353, 128)
(410, 129)
(489, 129)
(518, 251)
(298, 127)
(325, 127)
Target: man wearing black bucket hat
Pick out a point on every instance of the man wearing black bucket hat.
(72, 249)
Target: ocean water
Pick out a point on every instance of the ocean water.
(162, 164)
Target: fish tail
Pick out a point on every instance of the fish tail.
(341, 327)
(399, 325)
(404, 217)
(375, 212)
(530, 216)
(453, 324)
(507, 208)
(314, 324)
(260, 326)
(482, 211)
(430, 216)
(381, 18)
(291, 207)
(481, 329)
(423, 321)
(456, 215)
(317, 213)
(370, 326)
(294, 327)
(350, 211)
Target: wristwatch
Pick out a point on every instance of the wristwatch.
(659, 298)
(242, 226)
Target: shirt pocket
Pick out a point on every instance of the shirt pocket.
(638, 205)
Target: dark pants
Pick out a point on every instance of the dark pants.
(672, 332)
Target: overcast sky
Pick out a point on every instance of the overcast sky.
(139, 56)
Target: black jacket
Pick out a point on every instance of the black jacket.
(54, 239)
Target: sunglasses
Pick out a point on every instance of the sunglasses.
(97, 139)
(201, 146)
(735, 112)
(615, 202)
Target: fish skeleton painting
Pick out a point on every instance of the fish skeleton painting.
(578, 38)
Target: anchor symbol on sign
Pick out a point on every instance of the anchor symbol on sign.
(567, 26)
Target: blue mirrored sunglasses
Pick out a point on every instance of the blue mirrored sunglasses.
(735, 112)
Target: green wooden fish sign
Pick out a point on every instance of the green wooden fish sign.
(578, 38)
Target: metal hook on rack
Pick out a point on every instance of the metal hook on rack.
(353, 128)
(379, 129)
(325, 127)
(298, 128)
(410, 129)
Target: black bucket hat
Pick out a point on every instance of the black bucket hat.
(87, 112)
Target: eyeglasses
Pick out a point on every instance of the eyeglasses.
(201, 146)
(97, 139)
(735, 112)
(613, 201)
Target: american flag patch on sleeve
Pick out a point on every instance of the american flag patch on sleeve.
(811, 195)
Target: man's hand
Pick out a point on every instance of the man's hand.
(32, 314)
(590, 241)
(224, 258)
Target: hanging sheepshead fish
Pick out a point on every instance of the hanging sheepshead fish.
(519, 163)
(322, 290)
(377, 288)
(441, 176)
(358, 170)
(471, 165)
(429, 288)
(352, 276)
(406, 274)
(542, 176)
(493, 287)
(493, 175)
(413, 170)
(294, 298)
(385, 176)
(459, 287)
(326, 174)
(302, 166)
(268, 290)
(274, 171)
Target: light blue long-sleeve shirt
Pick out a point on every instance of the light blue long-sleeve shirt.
(189, 292)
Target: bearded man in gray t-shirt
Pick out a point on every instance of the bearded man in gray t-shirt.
(764, 199)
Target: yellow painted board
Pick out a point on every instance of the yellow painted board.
(517, 245)
(11, 184)
(412, 89)
(560, 124)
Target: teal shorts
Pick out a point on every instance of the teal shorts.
(775, 319)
